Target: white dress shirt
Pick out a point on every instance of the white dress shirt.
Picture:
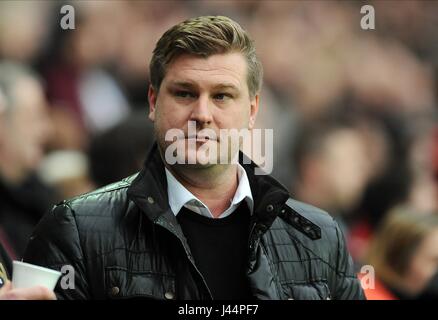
(179, 196)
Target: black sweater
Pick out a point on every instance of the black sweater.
(220, 250)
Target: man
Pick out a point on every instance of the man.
(24, 131)
(200, 230)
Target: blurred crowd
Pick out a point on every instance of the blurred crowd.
(354, 114)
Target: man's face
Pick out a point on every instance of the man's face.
(212, 92)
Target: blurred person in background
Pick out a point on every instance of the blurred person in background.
(331, 167)
(84, 95)
(404, 254)
(406, 176)
(24, 130)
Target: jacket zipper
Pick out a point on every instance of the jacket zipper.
(188, 255)
(252, 242)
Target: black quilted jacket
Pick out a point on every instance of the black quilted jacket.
(123, 241)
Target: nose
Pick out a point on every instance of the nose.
(201, 112)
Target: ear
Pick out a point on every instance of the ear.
(253, 112)
(152, 97)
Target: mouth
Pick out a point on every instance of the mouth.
(201, 139)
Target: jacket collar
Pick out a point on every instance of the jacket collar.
(180, 197)
(149, 191)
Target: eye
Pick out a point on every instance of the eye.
(222, 96)
(183, 94)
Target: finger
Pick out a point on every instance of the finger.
(33, 293)
(6, 287)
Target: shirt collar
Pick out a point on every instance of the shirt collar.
(179, 196)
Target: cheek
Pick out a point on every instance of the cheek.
(168, 111)
(231, 118)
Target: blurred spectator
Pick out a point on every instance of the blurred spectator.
(406, 178)
(24, 130)
(395, 179)
(120, 151)
(331, 166)
(84, 95)
(404, 254)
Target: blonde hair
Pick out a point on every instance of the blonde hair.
(205, 36)
(396, 242)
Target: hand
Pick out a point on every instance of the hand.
(7, 292)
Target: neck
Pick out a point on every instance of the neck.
(215, 186)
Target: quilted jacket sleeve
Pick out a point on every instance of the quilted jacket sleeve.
(55, 244)
(347, 285)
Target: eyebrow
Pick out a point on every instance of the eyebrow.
(182, 84)
(224, 86)
(190, 85)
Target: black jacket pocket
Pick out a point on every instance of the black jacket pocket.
(125, 284)
(315, 290)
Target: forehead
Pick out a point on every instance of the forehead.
(228, 68)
